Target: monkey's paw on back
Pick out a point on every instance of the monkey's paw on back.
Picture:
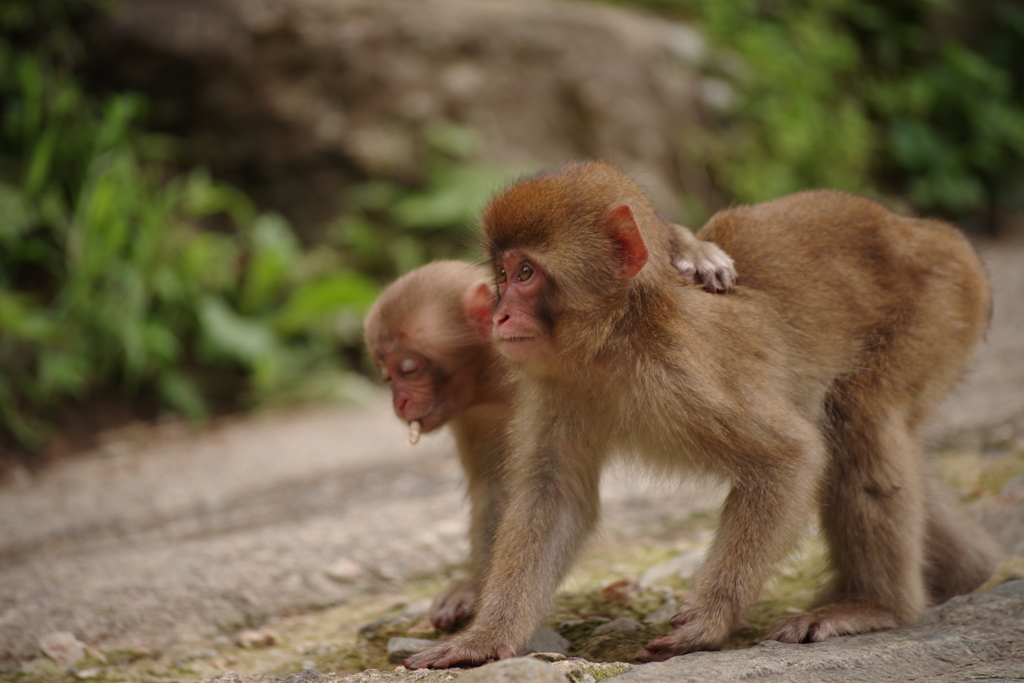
(454, 607)
(706, 261)
(459, 651)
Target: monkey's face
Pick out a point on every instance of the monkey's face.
(421, 390)
(521, 321)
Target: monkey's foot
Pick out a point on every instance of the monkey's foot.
(832, 620)
(693, 633)
(454, 607)
(456, 652)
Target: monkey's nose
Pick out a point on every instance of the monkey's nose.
(401, 403)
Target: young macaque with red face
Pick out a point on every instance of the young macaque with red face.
(805, 388)
(429, 334)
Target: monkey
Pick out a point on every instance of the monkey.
(805, 388)
(429, 335)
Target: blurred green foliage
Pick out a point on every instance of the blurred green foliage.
(119, 271)
(923, 99)
(116, 273)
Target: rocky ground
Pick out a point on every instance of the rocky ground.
(264, 545)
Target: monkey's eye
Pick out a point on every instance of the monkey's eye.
(385, 374)
(409, 365)
(502, 275)
(525, 272)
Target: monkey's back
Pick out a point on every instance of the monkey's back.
(846, 275)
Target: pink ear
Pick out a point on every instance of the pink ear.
(630, 248)
(478, 303)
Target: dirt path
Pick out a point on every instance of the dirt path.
(166, 536)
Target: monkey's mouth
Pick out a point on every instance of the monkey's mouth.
(512, 340)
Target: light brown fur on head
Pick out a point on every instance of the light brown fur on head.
(591, 299)
(424, 307)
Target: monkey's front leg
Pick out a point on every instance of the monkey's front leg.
(453, 608)
(760, 520)
(552, 506)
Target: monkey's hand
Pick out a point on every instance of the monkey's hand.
(706, 261)
(693, 633)
(459, 651)
(455, 606)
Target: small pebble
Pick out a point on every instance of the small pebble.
(662, 615)
(345, 570)
(257, 638)
(63, 647)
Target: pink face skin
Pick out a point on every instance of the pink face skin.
(516, 329)
(516, 326)
(412, 387)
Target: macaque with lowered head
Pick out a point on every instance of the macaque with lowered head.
(429, 334)
(804, 388)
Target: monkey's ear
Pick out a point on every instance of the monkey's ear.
(630, 248)
(478, 303)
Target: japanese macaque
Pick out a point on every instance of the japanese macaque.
(805, 387)
(429, 334)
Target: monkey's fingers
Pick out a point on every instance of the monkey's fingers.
(446, 655)
(454, 606)
(718, 276)
(687, 268)
(832, 620)
(414, 432)
(716, 269)
(659, 650)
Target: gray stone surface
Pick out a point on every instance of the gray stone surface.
(305, 676)
(974, 637)
(515, 670)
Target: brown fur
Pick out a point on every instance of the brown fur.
(806, 388)
(429, 313)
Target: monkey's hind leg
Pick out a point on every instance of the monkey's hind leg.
(872, 504)
(959, 554)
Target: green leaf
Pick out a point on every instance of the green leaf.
(14, 215)
(28, 431)
(39, 164)
(205, 197)
(61, 374)
(453, 201)
(275, 251)
(237, 337)
(324, 298)
(23, 320)
(182, 394)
